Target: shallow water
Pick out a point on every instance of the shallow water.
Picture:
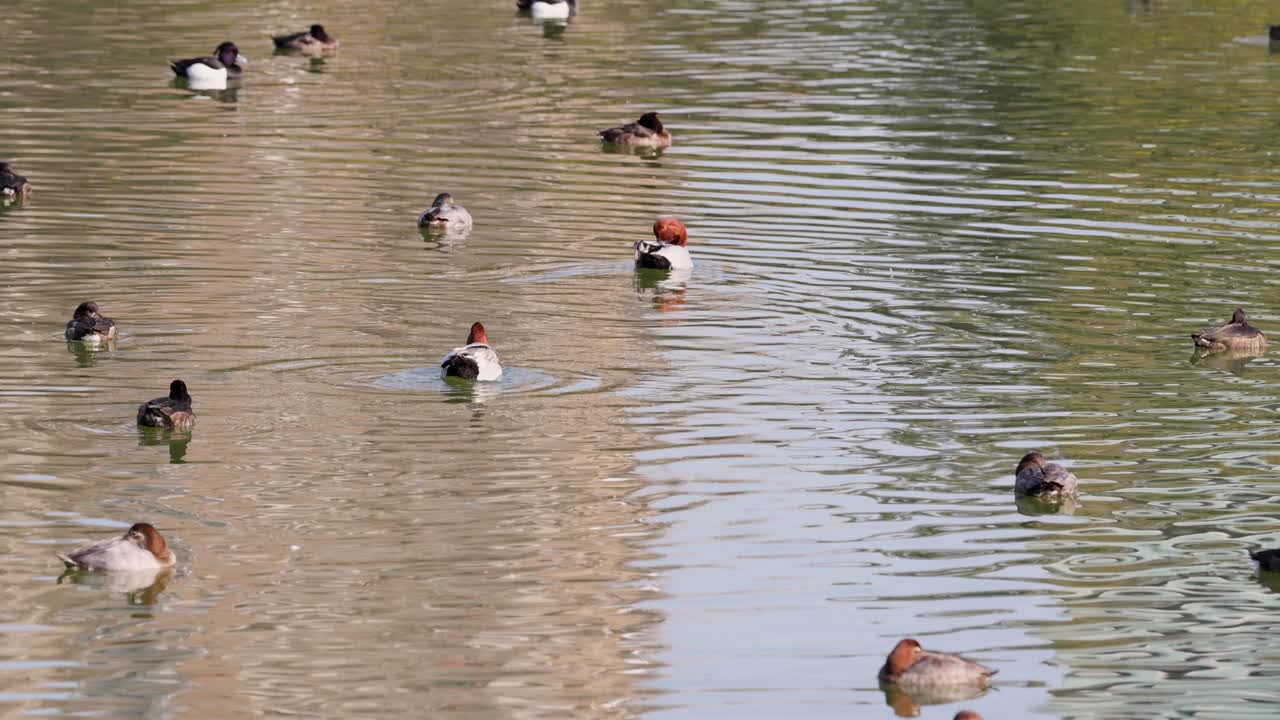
(929, 236)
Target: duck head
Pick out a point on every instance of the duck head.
(145, 536)
(670, 231)
(477, 334)
(1034, 459)
(651, 121)
(178, 391)
(967, 715)
(1237, 317)
(442, 200)
(87, 310)
(228, 54)
(904, 655)
(317, 32)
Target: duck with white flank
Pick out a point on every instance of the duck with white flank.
(667, 250)
(225, 62)
(87, 325)
(140, 548)
(473, 361)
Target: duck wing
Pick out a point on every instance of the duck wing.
(180, 67)
(614, 134)
(165, 412)
(943, 669)
(292, 39)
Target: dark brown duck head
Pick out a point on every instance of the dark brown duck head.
(651, 121)
(1033, 459)
(317, 32)
(178, 392)
(1237, 317)
(229, 55)
(442, 200)
(86, 310)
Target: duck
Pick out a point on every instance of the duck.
(173, 412)
(667, 250)
(313, 39)
(1038, 477)
(1237, 335)
(12, 184)
(142, 547)
(549, 9)
(226, 62)
(1273, 33)
(645, 132)
(911, 665)
(87, 325)
(967, 715)
(473, 361)
(444, 215)
(1268, 560)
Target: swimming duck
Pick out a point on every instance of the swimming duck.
(173, 411)
(473, 361)
(12, 184)
(444, 215)
(1039, 477)
(645, 132)
(911, 665)
(314, 39)
(141, 548)
(667, 250)
(226, 62)
(86, 325)
(1237, 335)
(548, 9)
(1268, 560)
(1273, 33)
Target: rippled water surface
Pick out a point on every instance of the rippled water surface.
(929, 237)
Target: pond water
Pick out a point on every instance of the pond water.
(929, 237)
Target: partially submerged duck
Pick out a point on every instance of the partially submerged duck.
(645, 132)
(87, 325)
(667, 250)
(11, 184)
(1038, 477)
(1268, 560)
(911, 665)
(173, 412)
(444, 215)
(967, 715)
(1237, 335)
(314, 39)
(473, 361)
(140, 548)
(549, 9)
(225, 62)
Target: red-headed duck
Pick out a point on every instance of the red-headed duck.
(1038, 477)
(967, 715)
(473, 361)
(667, 250)
(1268, 560)
(911, 665)
(1237, 335)
(11, 184)
(645, 132)
(224, 63)
(313, 40)
(140, 548)
(444, 215)
(87, 325)
(173, 412)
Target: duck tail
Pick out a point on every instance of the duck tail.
(459, 365)
(66, 560)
